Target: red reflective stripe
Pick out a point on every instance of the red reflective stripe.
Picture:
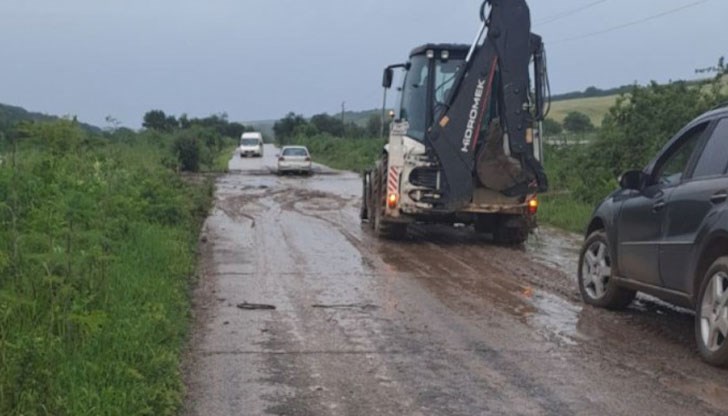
(393, 180)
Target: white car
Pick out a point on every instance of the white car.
(251, 144)
(294, 159)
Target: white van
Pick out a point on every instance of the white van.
(251, 144)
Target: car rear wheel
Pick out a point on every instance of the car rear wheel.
(596, 282)
(711, 315)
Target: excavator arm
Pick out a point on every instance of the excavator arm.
(494, 84)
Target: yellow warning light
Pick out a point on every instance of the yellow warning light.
(392, 200)
(533, 206)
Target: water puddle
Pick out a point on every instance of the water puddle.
(556, 249)
(556, 317)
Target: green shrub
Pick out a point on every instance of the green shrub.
(188, 149)
(552, 127)
(577, 122)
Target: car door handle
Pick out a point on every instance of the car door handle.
(659, 205)
(719, 197)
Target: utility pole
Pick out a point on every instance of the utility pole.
(343, 109)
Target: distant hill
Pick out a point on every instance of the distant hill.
(592, 92)
(360, 118)
(263, 126)
(596, 102)
(11, 115)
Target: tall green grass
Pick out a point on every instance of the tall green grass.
(97, 242)
(563, 211)
(565, 206)
(222, 160)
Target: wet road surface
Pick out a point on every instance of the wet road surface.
(445, 323)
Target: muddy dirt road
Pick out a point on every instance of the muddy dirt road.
(442, 324)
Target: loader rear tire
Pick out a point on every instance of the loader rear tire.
(511, 230)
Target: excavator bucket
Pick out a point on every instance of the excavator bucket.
(493, 84)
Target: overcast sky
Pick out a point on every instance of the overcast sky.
(259, 59)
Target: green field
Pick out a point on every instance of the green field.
(595, 108)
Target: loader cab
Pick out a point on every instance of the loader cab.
(429, 77)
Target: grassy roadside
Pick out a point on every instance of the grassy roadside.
(341, 153)
(97, 254)
(564, 212)
(222, 160)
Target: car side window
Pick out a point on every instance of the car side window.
(714, 160)
(671, 170)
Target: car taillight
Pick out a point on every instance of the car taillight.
(533, 206)
(281, 159)
(308, 159)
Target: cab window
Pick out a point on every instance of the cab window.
(445, 74)
(414, 97)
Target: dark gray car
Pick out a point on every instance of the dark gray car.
(665, 233)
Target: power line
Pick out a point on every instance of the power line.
(633, 23)
(568, 13)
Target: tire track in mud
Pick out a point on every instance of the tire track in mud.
(449, 250)
(462, 326)
(322, 209)
(285, 371)
(466, 252)
(548, 401)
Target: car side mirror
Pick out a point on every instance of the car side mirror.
(633, 180)
(388, 78)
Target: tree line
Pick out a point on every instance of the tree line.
(158, 120)
(294, 126)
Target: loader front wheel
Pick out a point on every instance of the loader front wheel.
(364, 214)
(382, 228)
